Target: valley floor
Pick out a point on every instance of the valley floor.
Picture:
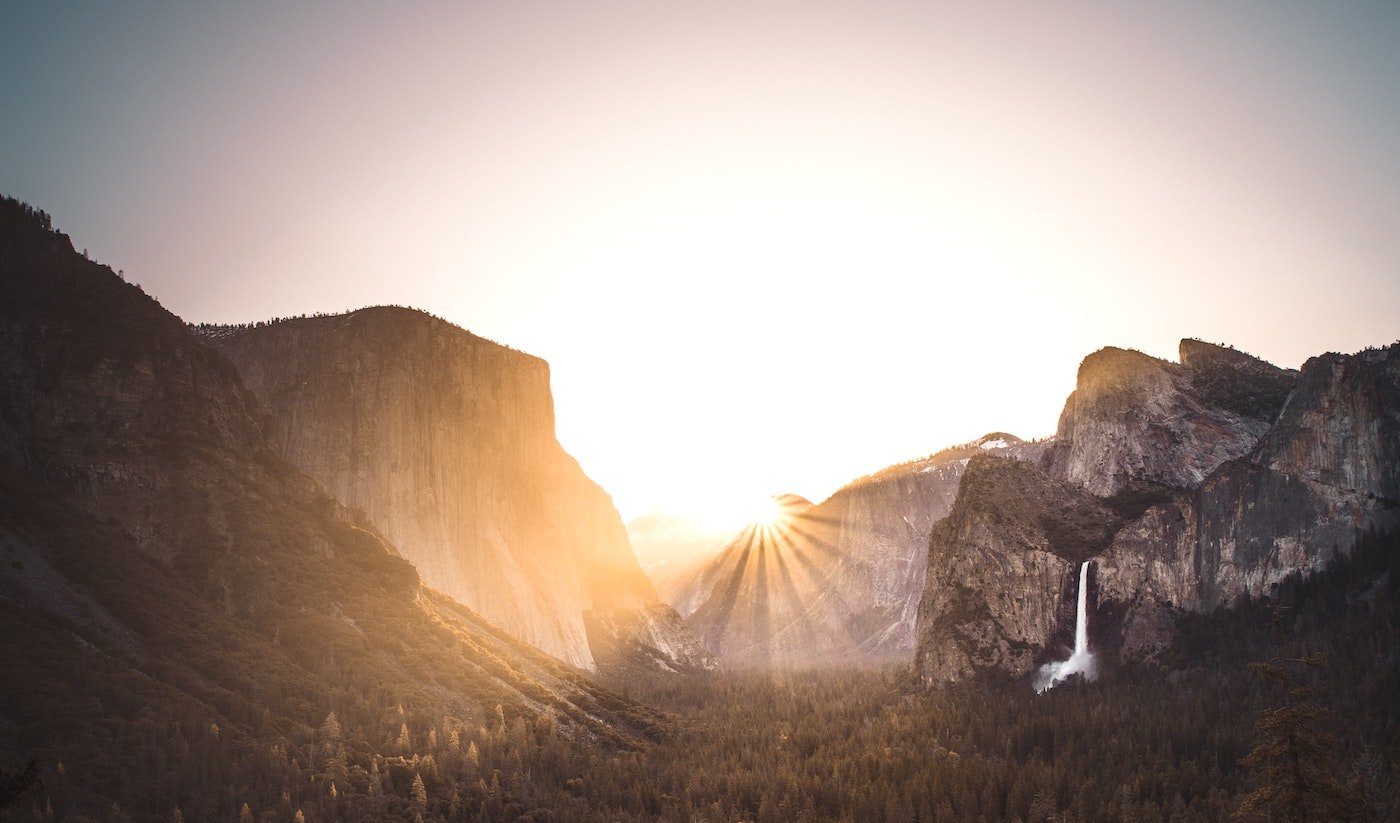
(1163, 742)
(1143, 743)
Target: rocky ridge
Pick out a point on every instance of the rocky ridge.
(1188, 485)
(1136, 419)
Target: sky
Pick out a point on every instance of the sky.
(766, 247)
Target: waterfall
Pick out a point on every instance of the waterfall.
(1081, 661)
(1081, 615)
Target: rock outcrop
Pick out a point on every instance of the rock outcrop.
(1341, 426)
(1002, 569)
(840, 580)
(642, 640)
(1189, 486)
(1136, 419)
(446, 442)
(1325, 471)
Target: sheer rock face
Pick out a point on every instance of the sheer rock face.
(1275, 496)
(1326, 470)
(1003, 568)
(881, 526)
(1341, 427)
(840, 580)
(446, 442)
(1240, 533)
(1136, 418)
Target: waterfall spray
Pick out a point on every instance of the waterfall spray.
(1081, 661)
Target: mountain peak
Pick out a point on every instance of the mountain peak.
(1198, 354)
(390, 322)
(791, 504)
(1112, 367)
(992, 441)
(1134, 417)
(1236, 381)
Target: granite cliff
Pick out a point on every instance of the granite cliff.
(1187, 485)
(1324, 472)
(446, 442)
(1134, 419)
(1002, 565)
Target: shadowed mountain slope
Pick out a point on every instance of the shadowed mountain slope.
(183, 608)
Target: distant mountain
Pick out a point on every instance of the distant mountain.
(1186, 486)
(838, 581)
(446, 442)
(189, 621)
(665, 543)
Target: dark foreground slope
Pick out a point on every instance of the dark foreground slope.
(189, 622)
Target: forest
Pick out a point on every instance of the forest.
(1305, 684)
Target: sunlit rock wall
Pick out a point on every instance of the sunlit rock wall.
(446, 441)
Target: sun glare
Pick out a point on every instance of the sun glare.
(766, 512)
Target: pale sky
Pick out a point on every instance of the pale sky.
(765, 247)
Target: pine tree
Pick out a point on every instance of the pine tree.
(376, 782)
(418, 793)
(330, 732)
(1043, 806)
(1292, 758)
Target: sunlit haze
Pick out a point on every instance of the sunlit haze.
(765, 513)
(765, 247)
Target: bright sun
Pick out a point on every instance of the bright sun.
(765, 512)
(747, 511)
